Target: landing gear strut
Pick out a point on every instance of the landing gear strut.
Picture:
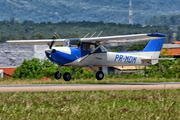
(66, 76)
(99, 74)
(57, 75)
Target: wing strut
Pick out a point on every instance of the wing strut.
(91, 52)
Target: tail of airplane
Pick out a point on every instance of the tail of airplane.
(154, 45)
(153, 50)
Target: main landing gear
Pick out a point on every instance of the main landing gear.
(67, 75)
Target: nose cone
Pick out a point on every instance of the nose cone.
(48, 51)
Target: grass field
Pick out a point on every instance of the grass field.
(99, 105)
(85, 81)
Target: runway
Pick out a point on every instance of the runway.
(89, 87)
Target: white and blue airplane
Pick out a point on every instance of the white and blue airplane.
(90, 52)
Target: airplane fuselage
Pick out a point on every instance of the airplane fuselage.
(69, 56)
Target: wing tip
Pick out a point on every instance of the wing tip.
(156, 35)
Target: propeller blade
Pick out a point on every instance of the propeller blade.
(50, 46)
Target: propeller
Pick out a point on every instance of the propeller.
(55, 36)
(50, 46)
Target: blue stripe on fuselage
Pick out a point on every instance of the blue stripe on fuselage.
(62, 58)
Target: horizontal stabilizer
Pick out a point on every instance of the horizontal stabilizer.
(158, 59)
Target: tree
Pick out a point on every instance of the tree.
(38, 36)
(137, 47)
(4, 37)
(28, 22)
(178, 36)
(22, 38)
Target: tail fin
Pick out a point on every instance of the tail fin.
(154, 45)
(153, 48)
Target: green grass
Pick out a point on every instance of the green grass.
(99, 105)
(85, 81)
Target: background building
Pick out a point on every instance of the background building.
(14, 55)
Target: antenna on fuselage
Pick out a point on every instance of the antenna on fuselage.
(99, 33)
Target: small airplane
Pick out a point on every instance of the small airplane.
(90, 52)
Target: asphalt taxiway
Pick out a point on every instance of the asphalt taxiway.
(89, 87)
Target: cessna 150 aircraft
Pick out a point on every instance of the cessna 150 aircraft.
(90, 52)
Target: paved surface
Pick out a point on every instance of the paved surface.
(89, 87)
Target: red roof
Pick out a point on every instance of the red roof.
(173, 52)
(8, 71)
(176, 42)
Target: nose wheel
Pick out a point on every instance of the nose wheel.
(57, 75)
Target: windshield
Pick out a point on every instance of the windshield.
(103, 49)
(66, 43)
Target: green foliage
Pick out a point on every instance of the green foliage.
(4, 37)
(29, 69)
(164, 20)
(32, 30)
(137, 47)
(37, 36)
(36, 69)
(163, 69)
(178, 36)
(89, 105)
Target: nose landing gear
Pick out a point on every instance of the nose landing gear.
(57, 75)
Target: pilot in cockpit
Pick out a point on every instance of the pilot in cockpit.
(86, 47)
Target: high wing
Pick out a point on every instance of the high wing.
(38, 42)
(116, 40)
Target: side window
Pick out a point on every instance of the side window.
(88, 47)
(103, 49)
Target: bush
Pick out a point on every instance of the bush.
(29, 69)
(36, 69)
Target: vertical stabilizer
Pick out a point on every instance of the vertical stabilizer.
(154, 45)
(154, 48)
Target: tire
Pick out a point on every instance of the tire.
(99, 75)
(57, 75)
(67, 76)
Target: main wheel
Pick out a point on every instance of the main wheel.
(67, 76)
(99, 75)
(57, 75)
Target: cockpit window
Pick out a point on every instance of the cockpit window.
(88, 47)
